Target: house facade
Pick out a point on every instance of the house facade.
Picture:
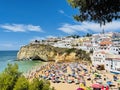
(112, 63)
(98, 58)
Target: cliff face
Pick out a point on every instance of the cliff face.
(45, 53)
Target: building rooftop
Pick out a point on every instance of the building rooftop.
(112, 56)
(105, 43)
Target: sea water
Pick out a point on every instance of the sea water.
(10, 57)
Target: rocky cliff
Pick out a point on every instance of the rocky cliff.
(47, 53)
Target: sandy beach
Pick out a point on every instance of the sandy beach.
(69, 76)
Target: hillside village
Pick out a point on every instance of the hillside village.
(105, 48)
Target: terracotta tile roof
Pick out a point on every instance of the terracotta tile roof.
(103, 52)
(105, 42)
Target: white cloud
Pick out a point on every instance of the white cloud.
(20, 27)
(7, 45)
(50, 36)
(61, 11)
(66, 15)
(70, 29)
(89, 26)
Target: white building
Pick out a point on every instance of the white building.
(98, 58)
(113, 63)
(115, 50)
(66, 43)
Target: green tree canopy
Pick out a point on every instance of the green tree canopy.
(12, 79)
(74, 36)
(101, 11)
(9, 77)
(21, 84)
(37, 84)
(88, 35)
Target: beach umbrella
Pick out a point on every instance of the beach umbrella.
(107, 88)
(102, 88)
(109, 82)
(96, 74)
(88, 88)
(96, 85)
(82, 86)
(99, 81)
(80, 89)
(118, 81)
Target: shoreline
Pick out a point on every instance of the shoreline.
(34, 69)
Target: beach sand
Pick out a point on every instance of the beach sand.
(72, 86)
(64, 86)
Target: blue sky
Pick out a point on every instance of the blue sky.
(24, 20)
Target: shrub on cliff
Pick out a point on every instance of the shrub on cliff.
(68, 51)
(83, 55)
